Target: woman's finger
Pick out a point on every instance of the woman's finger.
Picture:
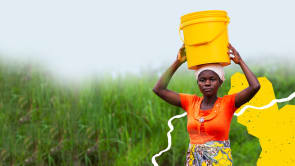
(230, 46)
(234, 50)
(182, 45)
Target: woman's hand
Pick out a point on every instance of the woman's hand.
(181, 56)
(232, 51)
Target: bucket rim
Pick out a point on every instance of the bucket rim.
(203, 20)
(206, 13)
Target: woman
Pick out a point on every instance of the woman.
(209, 116)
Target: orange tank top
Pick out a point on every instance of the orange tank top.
(208, 125)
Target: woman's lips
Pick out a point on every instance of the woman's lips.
(207, 89)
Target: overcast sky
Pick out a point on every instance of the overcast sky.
(75, 38)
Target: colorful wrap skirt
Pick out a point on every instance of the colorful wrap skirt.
(209, 154)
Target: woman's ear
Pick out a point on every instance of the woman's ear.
(220, 82)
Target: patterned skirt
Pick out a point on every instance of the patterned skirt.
(209, 154)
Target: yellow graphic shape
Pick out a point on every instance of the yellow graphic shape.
(274, 128)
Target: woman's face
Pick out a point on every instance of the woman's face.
(209, 82)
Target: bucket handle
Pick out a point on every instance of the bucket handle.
(206, 42)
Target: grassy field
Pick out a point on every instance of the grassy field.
(107, 121)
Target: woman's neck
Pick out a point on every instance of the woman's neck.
(209, 100)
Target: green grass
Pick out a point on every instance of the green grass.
(106, 121)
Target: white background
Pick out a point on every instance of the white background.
(77, 38)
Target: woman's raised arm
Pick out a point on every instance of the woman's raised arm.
(248, 93)
(161, 87)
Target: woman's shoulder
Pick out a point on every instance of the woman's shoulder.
(230, 98)
(229, 102)
(187, 100)
(189, 97)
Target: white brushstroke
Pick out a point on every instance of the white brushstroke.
(266, 106)
(169, 138)
(237, 114)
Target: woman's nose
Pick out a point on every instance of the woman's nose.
(207, 82)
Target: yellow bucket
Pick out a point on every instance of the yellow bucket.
(205, 37)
